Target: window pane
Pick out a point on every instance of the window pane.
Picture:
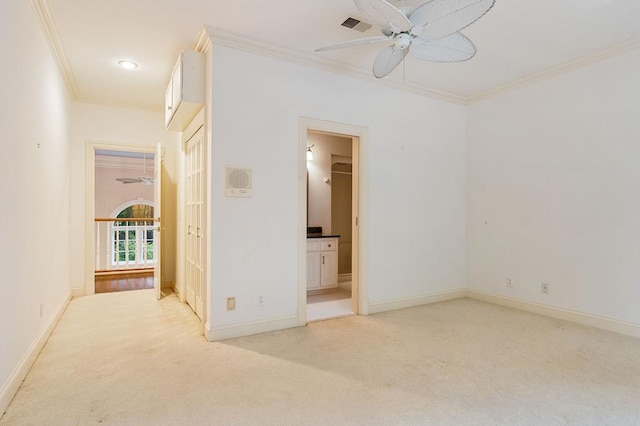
(133, 241)
(132, 249)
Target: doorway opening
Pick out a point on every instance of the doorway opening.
(126, 250)
(332, 287)
(122, 236)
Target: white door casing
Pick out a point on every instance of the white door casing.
(360, 139)
(89, 210)
(157, 229)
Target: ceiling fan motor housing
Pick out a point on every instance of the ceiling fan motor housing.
(402, 41)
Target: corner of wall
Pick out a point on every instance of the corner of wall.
(589, 320)
(250, 328)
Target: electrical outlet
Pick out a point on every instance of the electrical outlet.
(260, 300)
(544, 288)
(231, 303)
(509, 283)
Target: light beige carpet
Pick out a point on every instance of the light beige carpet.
(126, 359)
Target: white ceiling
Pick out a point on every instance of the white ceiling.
(515, 40)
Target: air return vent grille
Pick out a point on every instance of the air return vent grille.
(356, 24)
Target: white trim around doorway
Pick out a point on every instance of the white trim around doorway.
(362, 136)
(90, 206)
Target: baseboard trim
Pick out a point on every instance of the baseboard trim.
(409, 302)
(609, 324)
(11, 386)
(250, 328)
(345, 277)
(77, 292)
(345, 285)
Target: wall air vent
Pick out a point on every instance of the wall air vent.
(238, 182)
(355, 24)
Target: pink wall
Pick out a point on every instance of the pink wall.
(110, 193)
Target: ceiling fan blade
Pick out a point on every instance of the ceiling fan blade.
(388, 60)
(146, 180)
(357, 42)
(128, 180)
(453, 48)
(384, 15)
(439, 18)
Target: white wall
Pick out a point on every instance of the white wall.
(320, 168)
(554, 191)
(414, 169)
(34, 190)
(125, 128)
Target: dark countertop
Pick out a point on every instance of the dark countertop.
(322, 236)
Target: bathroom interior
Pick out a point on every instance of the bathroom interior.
(329, 226)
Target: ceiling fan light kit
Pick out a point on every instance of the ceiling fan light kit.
(429, 32)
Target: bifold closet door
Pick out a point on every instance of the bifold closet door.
(194, 169)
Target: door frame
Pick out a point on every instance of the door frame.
(90, 206)
(158, 228)
(360, 143)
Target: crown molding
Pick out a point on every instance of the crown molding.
(43, 12)
(224, 38)
(211, 35)
(122, 163)
(556, 70)
(203, 42)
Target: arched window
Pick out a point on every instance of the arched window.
(136, 210)
(132, 239)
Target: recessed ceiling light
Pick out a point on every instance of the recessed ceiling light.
(127, 65)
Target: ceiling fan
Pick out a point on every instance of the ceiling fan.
(430, 31)
(147, 180)
(142, 179)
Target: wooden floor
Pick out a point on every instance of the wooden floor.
(127, 282)
(338, 294)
